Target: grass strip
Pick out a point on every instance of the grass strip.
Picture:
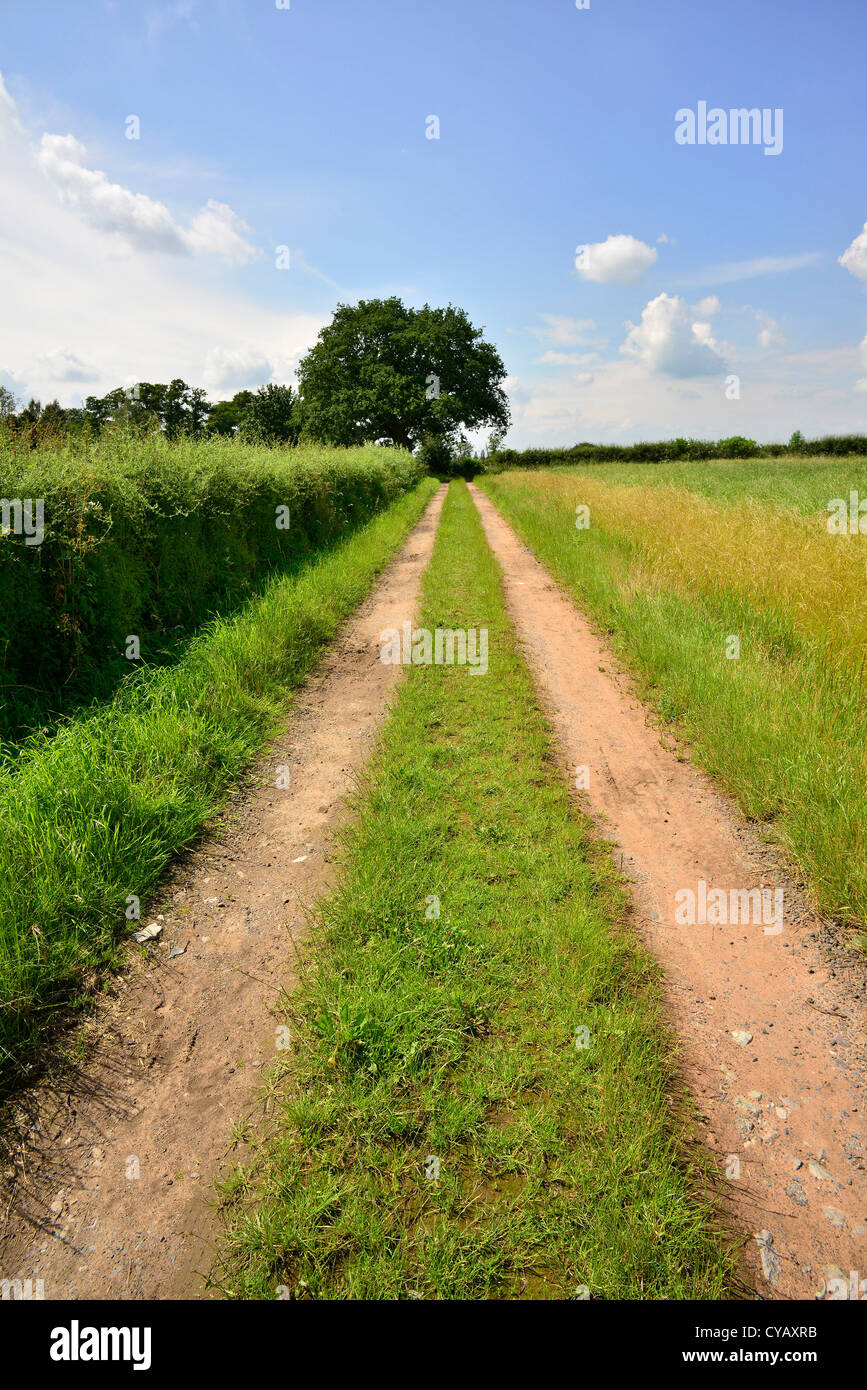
(438, 1131)
(92, 814)
(783, 726)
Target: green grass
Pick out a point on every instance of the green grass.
(803, 485)
(94, 813)
(150, 536)
(670, 579)
(453, 1036)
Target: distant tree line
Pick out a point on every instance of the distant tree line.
(671, 450)
(270, 413)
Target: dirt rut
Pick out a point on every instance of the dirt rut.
(771, 1022)
(111, 1197)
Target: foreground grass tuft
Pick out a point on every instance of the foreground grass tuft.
(437, 1132)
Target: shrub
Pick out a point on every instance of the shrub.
(149, 537)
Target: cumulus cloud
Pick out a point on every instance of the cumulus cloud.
(217, 230)
(626, 402)
(854, 258)
(619, 260)
(62, 364)
(707, 307)
(236, 369)
(669, 341)
(144, 223)
(72, 312)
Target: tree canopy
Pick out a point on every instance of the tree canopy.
(382, 371)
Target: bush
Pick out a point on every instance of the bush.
(737, 448)
(149, 537)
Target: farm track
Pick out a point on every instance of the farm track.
(177, 1048)
(771, 1025)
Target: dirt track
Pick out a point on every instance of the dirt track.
(788, 1104)
(179, 1046)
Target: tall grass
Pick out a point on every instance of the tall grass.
(93, 814)
(673, 576)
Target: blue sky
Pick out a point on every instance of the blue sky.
(306, 128)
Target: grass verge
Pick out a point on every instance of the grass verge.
(478, 930)
(672, 578)
(92, 814)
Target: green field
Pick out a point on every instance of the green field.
(801, 484)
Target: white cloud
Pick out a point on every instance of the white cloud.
(62, 364)
(567, 359)
(669, 342)
(707, 307)
(561, 331)
(236, 369)
(69, 306)
(142, 222)
(770, 333)
(810, 391)
(8, 110)
(618, 260)
(861, 383)
(748, 270)
(217, 230)
(854, 258)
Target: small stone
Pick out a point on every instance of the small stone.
(771, 1262)
(747, 1107)
(835, 1216)
(797, 1193)
(741, 1038)
(818, 1171)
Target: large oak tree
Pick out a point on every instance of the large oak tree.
(382, 371)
